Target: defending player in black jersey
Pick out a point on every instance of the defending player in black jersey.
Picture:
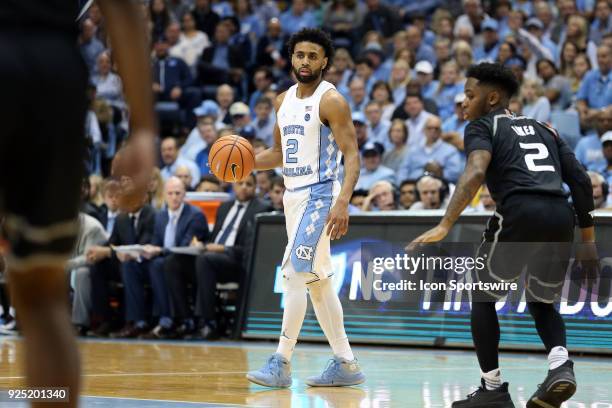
(524, 163)
(42, 110)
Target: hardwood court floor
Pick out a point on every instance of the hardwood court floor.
(189, 374)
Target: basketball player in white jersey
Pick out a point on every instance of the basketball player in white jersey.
(313, 130)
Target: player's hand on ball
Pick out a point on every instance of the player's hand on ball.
(337, 221)
(435, 234)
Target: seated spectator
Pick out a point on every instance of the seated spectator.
(206, 113)
(453, 128)
(177, 226)
(606, 169)
(343, 62)
(357, 199)
(134, 226)
(264, 183)
(297, 17)
(209, 184)
(414, 40)
(90, 46)
(222, 62)
(191, 43)
(182, 173)
(265, 119)
(485, 201)
(108, 84)
(400, 76)
(263, 78)
(91, 233)
(357, 94)
(398, 139)
(159, 16)
(600, 188)
(580, 67)
(226, 255)
(407, 194)
(588, 150)
(271, 50)
(535, 104)
(171, 160)
(417, 116)
(361, 130)
(602, 23)
(374, 53)
(556, 88)
(156, 190)
(380, 17)
(276, 193)
(109, 210)
(431, 193)
(241, 118)
(424, 76)
(372, 170)
(171, 75)
(209, 137)
(434, 150)
(449, 87)
(596, 89)
(341, 19)
(380, 198)
(378, 129)
(224, 98)
(381, 93)
(205, 17)
(489, 49)
(462, 54)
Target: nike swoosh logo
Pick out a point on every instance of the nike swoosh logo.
(233, 169)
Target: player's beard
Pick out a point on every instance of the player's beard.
(306, 79)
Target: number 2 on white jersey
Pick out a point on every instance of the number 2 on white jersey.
(542, 153)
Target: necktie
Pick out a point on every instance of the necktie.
(230, 226)
(170, 235)
(110, 224)
(133, 227)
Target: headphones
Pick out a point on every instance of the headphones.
(444, 190)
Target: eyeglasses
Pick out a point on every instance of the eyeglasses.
(433, 128)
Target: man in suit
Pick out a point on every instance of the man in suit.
(226, 255)
(110, 209)
(134, 226)
(222, 62)
(176, 226)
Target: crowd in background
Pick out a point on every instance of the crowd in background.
(218, 67)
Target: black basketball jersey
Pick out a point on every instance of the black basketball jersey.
(41, 14)
(525, 154)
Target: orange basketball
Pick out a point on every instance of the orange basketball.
(231, 158)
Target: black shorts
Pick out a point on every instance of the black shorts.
(42, 113)
(531, 236)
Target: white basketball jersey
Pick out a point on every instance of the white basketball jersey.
(310, 152)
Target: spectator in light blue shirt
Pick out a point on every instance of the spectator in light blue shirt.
(535, 104)
(602, 23)
(448, 88)
(171, 160)
(424, 76)
(453, 128)
(596, 89)
(378, 129)
(589, 148)
(434, 150)
(358, 99)
(414, 40)
(264, 121)
(490, 48)
(90, 46)
(372, 171)
(296, 18)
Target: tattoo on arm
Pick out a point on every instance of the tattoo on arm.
(467, 186)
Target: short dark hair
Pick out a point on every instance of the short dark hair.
(264, 100)
(496, 75)
(547, 61)
(364, 60)
(316, 36)
(209, 178)
(413, 94)
(277, 181)
(359, 193)
(406, 182)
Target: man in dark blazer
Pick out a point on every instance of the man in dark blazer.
(222, 62)
(175, 226)
(134, 226)
(226, 256)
